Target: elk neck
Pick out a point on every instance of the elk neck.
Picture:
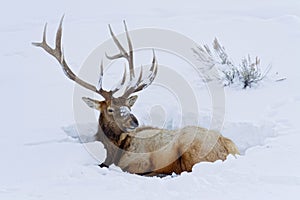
(108, 130)
(109, 134)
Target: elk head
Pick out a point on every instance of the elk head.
(115, 116)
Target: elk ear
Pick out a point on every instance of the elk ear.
(131, 100)
(92, 103)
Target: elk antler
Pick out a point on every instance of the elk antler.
(140, 83)
(58, 54)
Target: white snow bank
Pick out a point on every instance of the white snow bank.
(244, 134)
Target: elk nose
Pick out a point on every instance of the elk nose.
(133, 124)
(134, 119)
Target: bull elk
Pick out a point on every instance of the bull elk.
(141, 150)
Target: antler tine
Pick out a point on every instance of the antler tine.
(131, 67)
(101, 75)
(143, 83)
(57, 53)
(153, 69)
(154, 66)
(141, 75)
(151, 76)
(44, 44)
(123, 53)
(58, 47)
(121, 83)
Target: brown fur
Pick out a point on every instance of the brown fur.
(152, 151)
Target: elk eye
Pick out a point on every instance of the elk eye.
(110, 110)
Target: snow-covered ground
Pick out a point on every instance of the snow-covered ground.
(41, 158)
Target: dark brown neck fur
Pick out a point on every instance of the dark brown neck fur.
(109, 135)
(109, 130)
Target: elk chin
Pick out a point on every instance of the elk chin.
(129, 126)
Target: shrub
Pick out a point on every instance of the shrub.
(245, 74)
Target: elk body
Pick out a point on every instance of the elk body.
(141, 150)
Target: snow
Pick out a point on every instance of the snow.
(42, 156)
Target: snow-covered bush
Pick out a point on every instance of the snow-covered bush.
(245, 74)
